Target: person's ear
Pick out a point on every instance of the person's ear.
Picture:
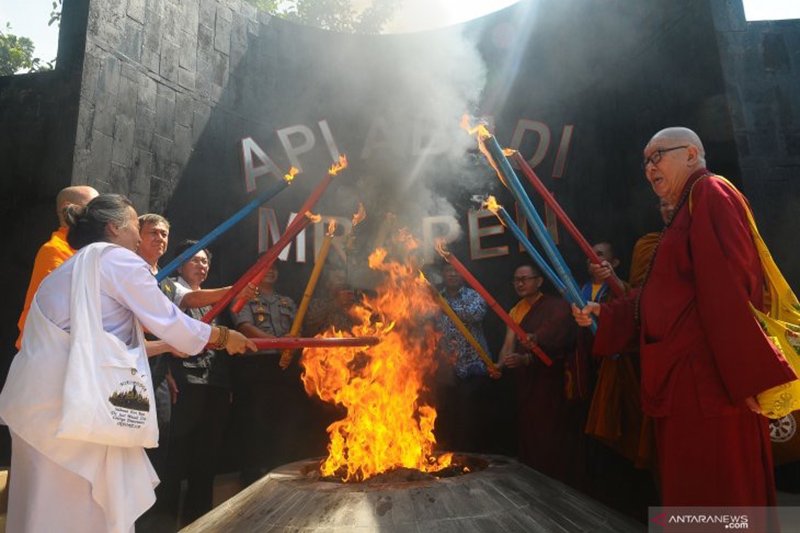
(539, 281)
(693, 154)
(615, 263)
(112, 230)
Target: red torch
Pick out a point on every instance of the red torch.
(257, 272)
(491, 302)
(550, 200)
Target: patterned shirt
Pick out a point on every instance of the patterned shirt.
(470, 308)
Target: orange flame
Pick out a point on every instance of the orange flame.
(441, 248)
(480, 130)
(387, 425)
(331, 227)
(312, 217)
(290, 176)
(508, 152)
(491, 204)
(360, 215)
(337, 167)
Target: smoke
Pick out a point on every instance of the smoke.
(409, 152)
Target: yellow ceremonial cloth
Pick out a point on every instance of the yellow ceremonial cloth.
(48, 258)
(519, 311)
(642, 253)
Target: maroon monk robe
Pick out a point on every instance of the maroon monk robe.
(550, 435)
(703, 353)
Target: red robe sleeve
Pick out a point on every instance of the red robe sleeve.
(728, 275)
(617, 329)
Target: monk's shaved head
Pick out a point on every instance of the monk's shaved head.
(680, 135)
(76, 195)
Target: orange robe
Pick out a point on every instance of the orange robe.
(643, 251)
(48, 258)
(703, 353)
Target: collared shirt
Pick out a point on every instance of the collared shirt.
(273, 314)
(49, 257)
(471, 309)
(209, 367)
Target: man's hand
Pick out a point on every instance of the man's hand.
(515, 360)
(238, 343)
(584, 316)
(752, 403)
(248, 293)
(602, 271)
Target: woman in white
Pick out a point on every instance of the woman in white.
(78, 462)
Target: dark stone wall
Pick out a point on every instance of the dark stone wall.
(761, 65)
(152, 97)
(154, 70)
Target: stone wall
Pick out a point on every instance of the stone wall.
(761, 62)
(154, 70)
(152, 96)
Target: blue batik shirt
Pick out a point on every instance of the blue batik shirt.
(470, 308)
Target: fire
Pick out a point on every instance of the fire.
(312, 217)
(339, 166)
(388, 424)
(441, 248)
(480, 131)
(491, 204)
(290, 175)
(360, 215)
(481, 134)
(331, 227)
(508, 152)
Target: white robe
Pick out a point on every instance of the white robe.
(108, 487)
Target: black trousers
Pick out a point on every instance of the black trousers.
(199, 419)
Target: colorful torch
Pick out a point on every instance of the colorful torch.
(492, 205)
(462, 328)
(296, 343)
(490, 147)
(491, 302)
(228, 224)
(286, 355)
(259, 269)
(550, 200)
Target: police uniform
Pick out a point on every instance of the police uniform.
(269, 403)
(273, 314)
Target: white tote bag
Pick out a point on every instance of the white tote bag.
(108, 390)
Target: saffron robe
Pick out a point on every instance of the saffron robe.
(49, 257)
(703, 353)
(550, 431)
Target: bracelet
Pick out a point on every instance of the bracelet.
(222, 338)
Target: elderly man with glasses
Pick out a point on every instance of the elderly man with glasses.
(550, 429)
(703, 354)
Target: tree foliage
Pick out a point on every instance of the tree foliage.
(16, 53)
(334, 15)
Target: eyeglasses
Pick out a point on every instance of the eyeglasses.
(656, 156)
(523, 279)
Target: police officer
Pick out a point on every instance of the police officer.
(266, 399)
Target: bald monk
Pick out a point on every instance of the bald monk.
(56, 250)
(703, 354)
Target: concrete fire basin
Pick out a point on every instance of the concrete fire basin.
(502, 496)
